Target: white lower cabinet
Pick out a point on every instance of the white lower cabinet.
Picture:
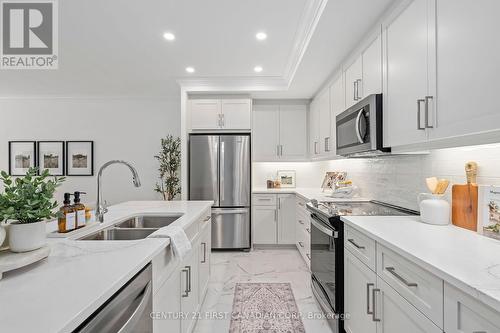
(359, 283)
(463, 314)
(286, 218)
(273, 219)
(204, 260)
(264, 222)
(395, 315)
(189, 290)
(167, 305)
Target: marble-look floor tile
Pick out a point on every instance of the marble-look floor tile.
(276, 265)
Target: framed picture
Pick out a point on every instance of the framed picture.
(22, 156)
(51, 157)
(79, 158)
(286, 178)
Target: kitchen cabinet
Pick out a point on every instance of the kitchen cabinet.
(189, 289)
(273, 221)
(359, 283)
(409, 72)
(286, 218)
(394, 314)
(279, 132)
(468, 49)
(372, 68)
(324, 114)
(314, 129)
(463, 314)
(220, 114)
(264, 224)
(204, 259)
(167, 300)
(303, 230)
(354, 82)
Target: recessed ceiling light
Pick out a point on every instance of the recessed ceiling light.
(261, 36)
(258, 69)
(190, 69)
(169, 36)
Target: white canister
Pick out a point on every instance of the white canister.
(434, 209)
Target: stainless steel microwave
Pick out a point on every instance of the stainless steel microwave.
(360, 128)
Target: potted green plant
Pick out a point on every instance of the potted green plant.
(27, 203)
(170, 162)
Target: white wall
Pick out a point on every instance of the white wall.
(127, 129)
(395, 179)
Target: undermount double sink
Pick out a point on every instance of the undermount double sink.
(138, 227)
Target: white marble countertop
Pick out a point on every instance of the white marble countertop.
(305, 193)
(60, 292)
(461, 257)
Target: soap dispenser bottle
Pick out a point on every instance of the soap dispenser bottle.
(79, 209)
(67, 216)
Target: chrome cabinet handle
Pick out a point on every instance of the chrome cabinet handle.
(358, 81)
(186, 291)
(277, 150)
(368, 286)
(419, 112)
(316, 147)
(427, 98)
(264, 199)
(374, 314)
(308, 230)
(308, 256)
(359, 247)
(189, 279)
(301, 244)
(204, 252)
(392, 270)
(281, 150)
(354, 92)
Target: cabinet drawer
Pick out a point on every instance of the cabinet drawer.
(419, 287)
(463, 313)
(264, 199)
(362, 246)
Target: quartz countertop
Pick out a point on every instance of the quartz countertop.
(58, 293)
(306, 193)
(460, 257)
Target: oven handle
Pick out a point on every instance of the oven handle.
(325, 230)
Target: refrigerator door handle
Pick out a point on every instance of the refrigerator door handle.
(229, 211)
(221, 170)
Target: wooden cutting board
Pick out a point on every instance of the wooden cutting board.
(464, 206)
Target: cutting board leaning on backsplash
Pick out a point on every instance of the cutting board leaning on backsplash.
(464, 200)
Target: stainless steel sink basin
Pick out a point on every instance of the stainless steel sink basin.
(149, 221)
(119, 234)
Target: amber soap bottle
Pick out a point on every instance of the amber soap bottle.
(67, 218)
(79, 209)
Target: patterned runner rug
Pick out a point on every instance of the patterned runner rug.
(265, 308)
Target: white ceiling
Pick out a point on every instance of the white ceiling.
(116, 48)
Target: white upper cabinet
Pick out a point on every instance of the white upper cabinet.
(468, 49)
(314, 129)
(279, 132)
(220, 114)
(372, 68)
(265, 136)
(409, 73)
(205, 113)
(354, 82)
(324, 113)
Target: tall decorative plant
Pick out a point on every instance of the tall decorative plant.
(30, 198)
(169, 158)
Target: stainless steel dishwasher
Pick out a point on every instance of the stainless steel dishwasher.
(126, 311)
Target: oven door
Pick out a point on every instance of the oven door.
(324, 240)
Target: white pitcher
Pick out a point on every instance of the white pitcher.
(434, 209)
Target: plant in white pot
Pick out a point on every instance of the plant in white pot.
(27, 203)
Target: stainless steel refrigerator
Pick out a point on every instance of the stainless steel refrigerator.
(219, 170)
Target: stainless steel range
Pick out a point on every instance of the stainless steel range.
(327, 250)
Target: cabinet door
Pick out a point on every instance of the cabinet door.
(293, 132)
(167, 300)
(359, 282)
(396, 315)
(372, 68)
(236, 114)
(337, 106)
(464, 314)
(468, 50)
(354, 82)
(314, 129)
(286, 222)
(189, 289)
(264, 224)
(324, 122)
(265, 132)
(204, 259)
(405, 84)
(205, 114)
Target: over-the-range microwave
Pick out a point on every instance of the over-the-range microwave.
(360, 128)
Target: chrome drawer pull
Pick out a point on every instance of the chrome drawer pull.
(350, 240)
(368, 285)
(301, 244)
(374, 314)
(308, 230)
(186, 291)
(308, 256)
(301, 222)
(392, 270)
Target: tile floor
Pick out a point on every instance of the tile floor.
(277, 265)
